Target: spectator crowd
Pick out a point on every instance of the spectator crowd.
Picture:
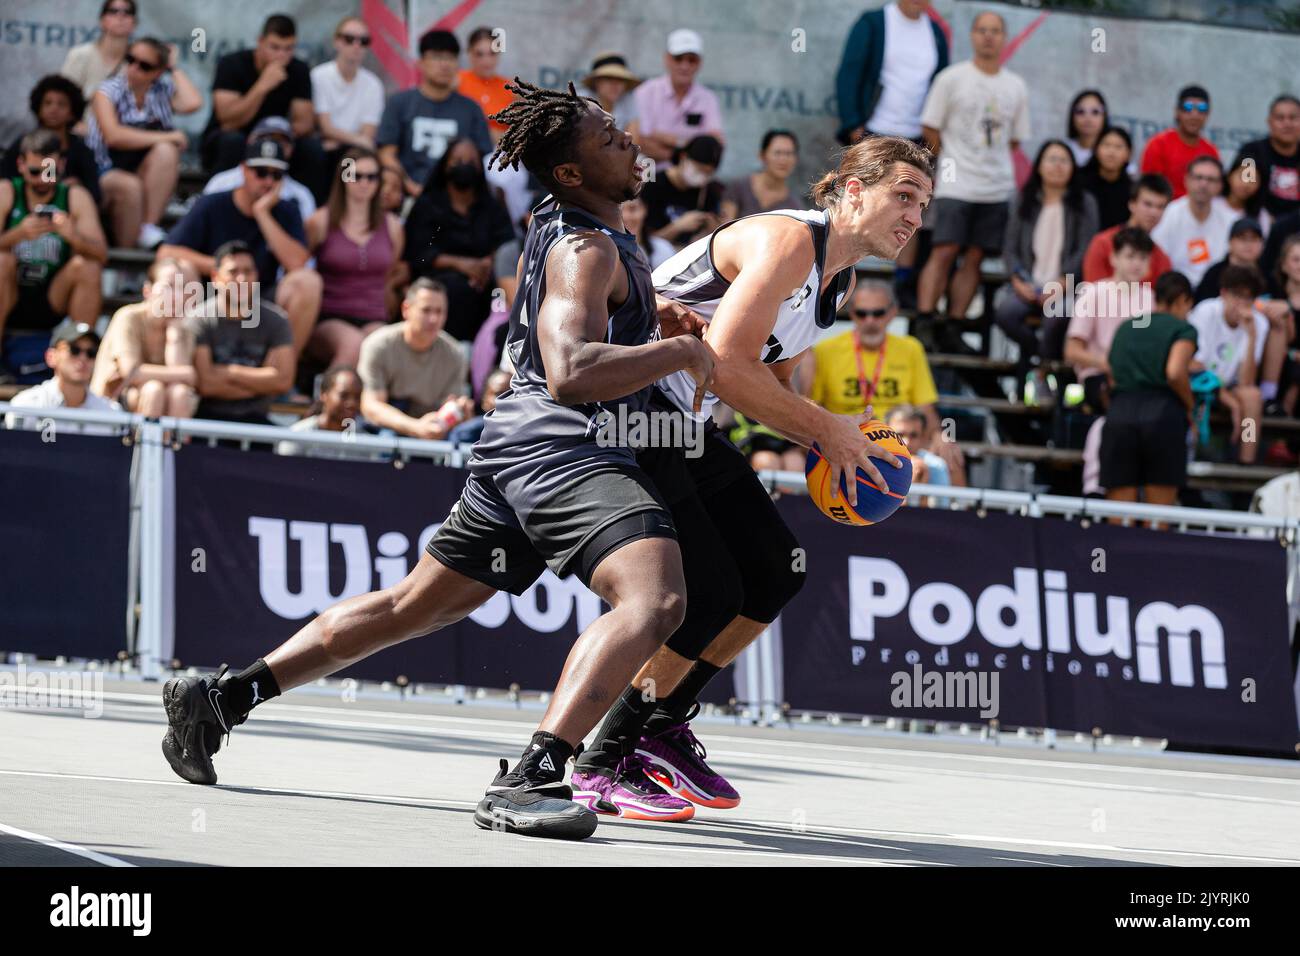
(369, 235)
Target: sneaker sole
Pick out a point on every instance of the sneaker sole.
(595, 802)
(671, 779)
(631, 811)
(178, 711)
(554, 826)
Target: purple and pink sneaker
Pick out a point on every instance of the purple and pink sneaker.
(628, 792)
(676, 760)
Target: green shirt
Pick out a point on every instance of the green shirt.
(1139, 352)
(40, 258)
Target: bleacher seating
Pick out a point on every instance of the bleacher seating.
(125, 276)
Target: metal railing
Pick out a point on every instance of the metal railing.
(1034, 505)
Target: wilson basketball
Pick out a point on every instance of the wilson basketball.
(874, 504)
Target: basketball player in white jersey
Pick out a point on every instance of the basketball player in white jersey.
(768, 284)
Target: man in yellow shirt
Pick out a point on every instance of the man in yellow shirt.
(869, 366)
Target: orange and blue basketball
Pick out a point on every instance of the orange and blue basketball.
(874, 504)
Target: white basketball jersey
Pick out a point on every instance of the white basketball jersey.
(689, 277)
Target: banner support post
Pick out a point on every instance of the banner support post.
(149, 636)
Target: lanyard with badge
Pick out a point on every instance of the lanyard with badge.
(869, 393)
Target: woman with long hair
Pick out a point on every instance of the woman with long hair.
(1048, 229)
(91, 63)
(135, 141)
(1087, 119)
(1106, 176)
(769, 187)
(358, 247)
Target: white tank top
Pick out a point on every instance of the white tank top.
(689, 277)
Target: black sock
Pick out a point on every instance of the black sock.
(545, 740)
(674, 708)
(625, 720)
(544, 757)
(254, 685)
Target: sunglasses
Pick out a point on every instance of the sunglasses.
(870, 313)
(83, 351)
(39, 170)
(367, 177)
(1195, 106)
(119, 11)
(351, 39)
(261, 172)
(142, 64)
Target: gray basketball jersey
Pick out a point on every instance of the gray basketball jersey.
(689, 277)
(533, 445)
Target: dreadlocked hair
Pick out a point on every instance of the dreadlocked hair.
(541, 127)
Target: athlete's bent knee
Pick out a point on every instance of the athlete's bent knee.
(663, 612)
(708, 610)
(771, 581)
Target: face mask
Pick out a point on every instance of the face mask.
(463, 174)
(694, 176)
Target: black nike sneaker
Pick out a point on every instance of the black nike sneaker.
(534, 800)
(197, 718)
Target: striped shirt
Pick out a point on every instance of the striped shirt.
(691, 278)
(155, 114)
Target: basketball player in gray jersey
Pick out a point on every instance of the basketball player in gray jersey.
(768, 284)
(542, 492)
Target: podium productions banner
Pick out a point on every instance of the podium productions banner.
(1043, 623)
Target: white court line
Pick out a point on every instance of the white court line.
(981, 758)
(985, 838)
(652, 846)
(102, 858)
(1079, 784)
(235, 788)
(858, 766)
(820, 829)
(851, 765)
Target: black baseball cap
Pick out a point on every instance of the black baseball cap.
(266, 152)
(706, 150)
(1245, 224)
(70, 331)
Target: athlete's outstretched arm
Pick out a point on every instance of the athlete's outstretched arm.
(583, 272)
(769, 264)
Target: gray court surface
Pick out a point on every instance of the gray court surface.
(313, 779)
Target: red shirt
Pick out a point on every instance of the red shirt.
(1096, 261)
(1168, 155)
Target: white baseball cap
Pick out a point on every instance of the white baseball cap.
(684, 41)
